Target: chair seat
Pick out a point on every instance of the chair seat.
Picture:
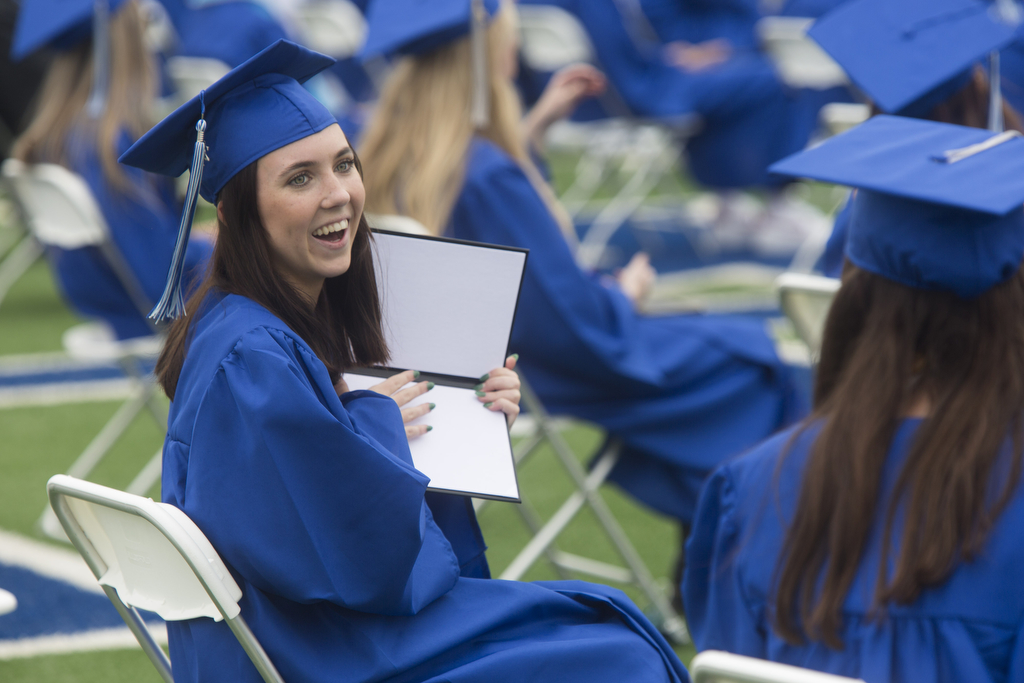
(97, 341)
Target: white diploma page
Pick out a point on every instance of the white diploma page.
(448, 308)
(468, 450)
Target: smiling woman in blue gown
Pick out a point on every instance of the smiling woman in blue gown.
(881, 539)
(350, 570)
(140, 209)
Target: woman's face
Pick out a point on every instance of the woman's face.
(310, 198)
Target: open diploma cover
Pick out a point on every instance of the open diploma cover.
(448, 308)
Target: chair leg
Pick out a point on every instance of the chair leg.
(97, 449)
(587, 493)
(17, 262)
(141, 632)
(148, 476)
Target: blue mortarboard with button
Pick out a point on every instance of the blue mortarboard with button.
(910, 55)
(413, 27)
(256, 108)
(938, 206)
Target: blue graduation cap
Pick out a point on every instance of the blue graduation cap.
(61, 24)
(413, 27)
(256, 108)
(938, 206)
(910, 55)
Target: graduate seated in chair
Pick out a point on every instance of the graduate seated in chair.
(350, 570)
(880, 539)
(936, 74)
(748, 118)
(87, 115)
(683, 392)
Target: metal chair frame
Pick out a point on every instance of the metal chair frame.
(713, 666)
(805, 299)
(586, 494)
(190, 543)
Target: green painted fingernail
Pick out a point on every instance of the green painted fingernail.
(415, 374)
(488, 405)
(516, 356)
(480, 386)
(480, 393)
(433, 405)
(430, 385)
(485, 377)
(429, 428)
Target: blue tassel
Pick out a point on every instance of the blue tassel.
(172, 303)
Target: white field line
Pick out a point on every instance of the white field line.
(118, 638)
(66, 392)
(47, 560)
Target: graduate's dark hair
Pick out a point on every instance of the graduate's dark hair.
(885, 346)
(344, 328)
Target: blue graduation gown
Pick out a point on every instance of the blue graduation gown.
(349, 570)
(696, 21)
(967, 629)
(684, 392)
(143, 225)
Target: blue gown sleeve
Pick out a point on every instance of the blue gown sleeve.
(1016, 673)
(717, 612)
(309, 496)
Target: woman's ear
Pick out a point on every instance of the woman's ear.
(220, 210)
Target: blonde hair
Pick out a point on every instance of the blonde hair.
(65, 91)
(415, 148)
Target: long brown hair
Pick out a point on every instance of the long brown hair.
(885, 346)
(65, 91)
(343, 329)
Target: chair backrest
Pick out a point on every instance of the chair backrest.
(552, 38)
(153, 557)
(806, 299)
(59, 210)
(57, 204)
(194, 74)
(712, 666)
(334, 27)
(800, 61)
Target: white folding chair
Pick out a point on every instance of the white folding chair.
(805, 299)
(643, 151)
(60, 211)
(151, 556)
(19, 247)
(334, 27)
(800, 61)
(194, 74)
(712, 666)
(841, 116)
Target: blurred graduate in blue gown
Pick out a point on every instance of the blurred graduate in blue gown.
(683, 392)
(84, 126)
(748, 117)
(231, 31)
(936, 74)
(881, 538)
(350, 570)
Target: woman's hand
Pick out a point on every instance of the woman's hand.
(637, 278)
(499, 390)
(395, 387)
(563, 93)
(696, 57)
